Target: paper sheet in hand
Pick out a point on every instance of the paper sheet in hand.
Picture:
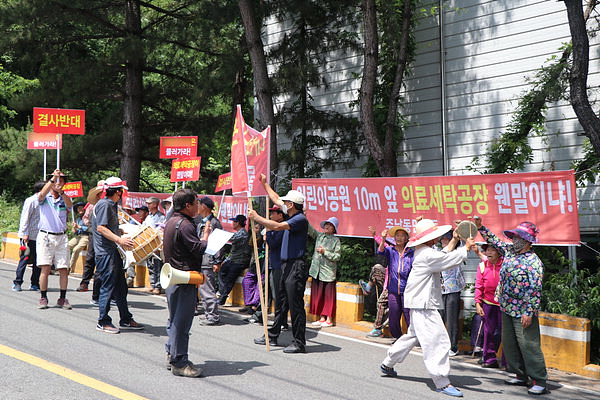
(217, 239)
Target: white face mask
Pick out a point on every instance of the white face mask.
(519, 243)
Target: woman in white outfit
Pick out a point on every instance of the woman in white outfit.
(423, 295)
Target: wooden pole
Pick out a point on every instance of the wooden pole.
(44, 177)
(57, 153)
(266, 309)
(260, 288)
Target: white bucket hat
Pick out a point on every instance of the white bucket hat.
(427, 230)
(331, 220)
(294, 196)
(114, 183)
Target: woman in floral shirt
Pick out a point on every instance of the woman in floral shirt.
(519, 293)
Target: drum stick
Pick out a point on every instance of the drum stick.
(260, 287)
(477, 338)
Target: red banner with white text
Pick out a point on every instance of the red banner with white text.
(548, 199)
(49, 141)
(229, 208)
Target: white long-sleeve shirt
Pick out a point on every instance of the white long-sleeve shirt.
(30, 218)
(424, 284)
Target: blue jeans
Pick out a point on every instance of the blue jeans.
(114, 286)
(181, 300)
(23, 261)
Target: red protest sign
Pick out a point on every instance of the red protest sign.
(185, 169)
(250, 153)
(178, 146)
(73, 189)
(38, 141)
(58, 120)
(223, 183)
(548, 199)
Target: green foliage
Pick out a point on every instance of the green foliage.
(10, 213)
(356, 261)
(587, 169)
(315, 29)
(11, 87)
(511, 151)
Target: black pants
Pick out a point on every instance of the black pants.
(291, 296)
(30, 259)
(88, 271)
(274, 287)
(227, 275)
(450, 315)
(181, 300)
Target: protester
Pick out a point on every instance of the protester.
(423, 295)
(323, 268)
(294, 271)
(250, 287)
(109, 264)
(453, 282)
(90, 259)
(519, 295)
(399, 260)
(183, 251)
(80, 240)
(487, 307)
(28, 232)
(51, 243)
(141, 213)
(154, 219)
(377, 280)
(210, 263)
(273, 239)
(238, 259)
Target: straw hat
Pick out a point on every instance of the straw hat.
(392, 231)
(93, 193)
(427, 230)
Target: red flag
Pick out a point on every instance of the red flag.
(249, 160)
(239, 164)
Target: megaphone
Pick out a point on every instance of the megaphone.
(170, 276)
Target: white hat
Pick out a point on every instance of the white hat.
(115, 183)
(427, 230)
(331, 220)
(294, 196)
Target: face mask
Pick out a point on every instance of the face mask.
(519, 243)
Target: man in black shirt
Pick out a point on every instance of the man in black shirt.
(184, 251)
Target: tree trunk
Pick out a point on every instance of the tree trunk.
(262, 84)
(579, 72)
(391, 125)
(132, 106)
(367, 86)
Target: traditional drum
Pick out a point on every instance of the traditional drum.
(466, 229)
(147, 241)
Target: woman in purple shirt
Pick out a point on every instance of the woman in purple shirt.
(400, 259)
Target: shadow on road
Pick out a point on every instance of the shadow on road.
(223, 368)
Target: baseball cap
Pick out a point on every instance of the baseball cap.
(239, 219)
(294, 196)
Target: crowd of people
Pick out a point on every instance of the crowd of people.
(419, 278)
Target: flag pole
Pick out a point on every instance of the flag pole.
(260, 287)
(44, 177)
(266, 309)
(57, 153)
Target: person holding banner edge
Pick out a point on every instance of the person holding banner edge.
(519, 294)
(294, 270)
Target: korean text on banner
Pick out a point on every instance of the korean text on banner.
(250, 156)
(39, 141)
(73, 189)
(223, 183)
(185, 169)
(58, 120)
(548, 199)
(229, 208)
(178, 146)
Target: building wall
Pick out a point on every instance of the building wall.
(491, 49)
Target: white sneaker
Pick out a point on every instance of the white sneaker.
(316, 323)
(453, 353)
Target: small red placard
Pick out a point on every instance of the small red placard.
(224, 182)
(58, 120)
(178, 146)
(185, 169)
(39, 141)
(73, 189)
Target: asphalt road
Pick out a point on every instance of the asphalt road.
(74, 361)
